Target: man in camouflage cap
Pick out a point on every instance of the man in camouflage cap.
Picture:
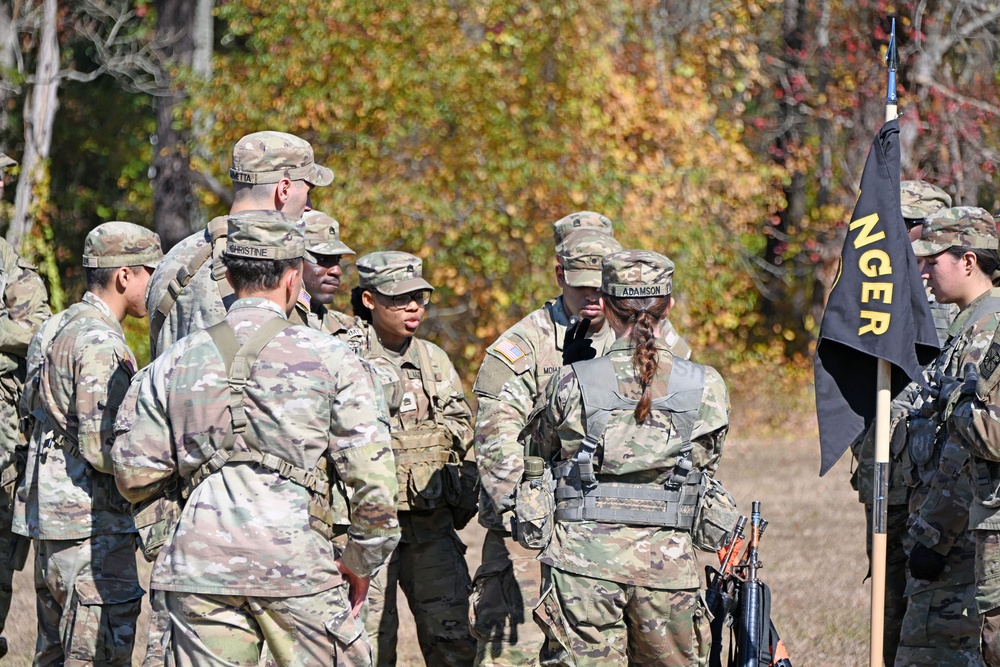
(431, 429)
(918, 199)
(87, 582)
(605, 601)
(270, 171)
(514, 374)
(22, 311)
(563, 227)
(941, 623)
(257, 420)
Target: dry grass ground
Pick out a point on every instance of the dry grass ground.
(813, 549)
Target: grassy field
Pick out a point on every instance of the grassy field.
(813, 550)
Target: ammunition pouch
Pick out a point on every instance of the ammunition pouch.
(986, 487)
(534, 508)
(426, 468)
(715, 517)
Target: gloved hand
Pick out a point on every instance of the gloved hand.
(925, 563)
(576, 345)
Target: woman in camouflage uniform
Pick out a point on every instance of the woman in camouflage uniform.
(628, 591)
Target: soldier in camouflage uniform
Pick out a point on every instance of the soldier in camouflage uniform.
(24, 308)
(431, 432)
(512, 378)
(257, 420)
(86, 578)
(321, 279)
(918, 199)
(628, 592)
(188, 292)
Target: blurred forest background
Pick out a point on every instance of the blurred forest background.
(729, 135)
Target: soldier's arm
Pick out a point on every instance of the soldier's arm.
(25, 308)
(455, 409)
(943, 517)
(102, 377)
(361, 452)
(142, 455)
(557, 422)
(506, 399)
(712, 424)
(975, 415)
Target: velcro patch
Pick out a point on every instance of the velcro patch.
(509, 349)
(988, 376)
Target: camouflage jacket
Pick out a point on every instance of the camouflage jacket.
(199, 305)
(649, 556)
(68, 491)
(512, 378)
(348, 329)
(973, 411)
(24, 308)
(308, 398)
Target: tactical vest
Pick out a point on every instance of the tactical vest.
(581, 496)
(239, 361)
(218, 230)
(426, 480)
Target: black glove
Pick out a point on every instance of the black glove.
(925, 563)
(576, 345)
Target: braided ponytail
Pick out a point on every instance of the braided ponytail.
(643, 315)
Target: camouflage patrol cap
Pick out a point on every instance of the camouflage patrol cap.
(6, 161)
(918, 199)
(391, 273)
(323, 236)
(117, 243)
(580, 255)
(958, 227)
(581, 220)
(265, 235)
(268, 157)
(636, 273)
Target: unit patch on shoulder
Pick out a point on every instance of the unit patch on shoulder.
(988, 376)
(509, 350)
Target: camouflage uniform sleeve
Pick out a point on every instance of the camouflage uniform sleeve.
(506, 398)
(102, 378)
(943, 516)
(455, 409)
(142, 454)
(712, 424)
(361, 452)
(975, 417)
(25, 307)
(559, 424)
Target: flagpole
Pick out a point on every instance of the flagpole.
(882, 399)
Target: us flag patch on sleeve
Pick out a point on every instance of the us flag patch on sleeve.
(509, 349)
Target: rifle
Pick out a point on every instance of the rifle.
(739, 599)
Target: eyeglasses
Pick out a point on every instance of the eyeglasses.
(401, 301)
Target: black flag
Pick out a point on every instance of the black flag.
(877, 309)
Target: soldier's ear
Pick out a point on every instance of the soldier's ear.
(560, 275)
(368, 299)
(282, 190)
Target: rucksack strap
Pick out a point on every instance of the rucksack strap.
(427, 379)
(218, 229)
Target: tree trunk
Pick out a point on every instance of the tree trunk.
(40, 115)
(7, 63)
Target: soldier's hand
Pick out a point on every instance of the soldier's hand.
(925, 563)
(357, 587)
(576, 345)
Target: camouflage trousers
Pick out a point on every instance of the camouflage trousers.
(988, 592)
(895, 576)
(429, 565)
(597, 622)
(504, 593)
(941, 627)
(13, 547)
(232, 631)
(88, 600)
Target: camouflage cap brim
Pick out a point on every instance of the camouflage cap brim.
(313, 174)
(6, 161)
(588, 278)
(149, 259)
(404, 287)
(927, 248)
(328, 248)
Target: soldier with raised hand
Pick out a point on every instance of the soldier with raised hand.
(86, 580)
(621, 584)
(270, 171)
(431, 432)
(257, 420)
(24, 308)
(321, 278)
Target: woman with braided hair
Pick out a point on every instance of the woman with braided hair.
(630, 439)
